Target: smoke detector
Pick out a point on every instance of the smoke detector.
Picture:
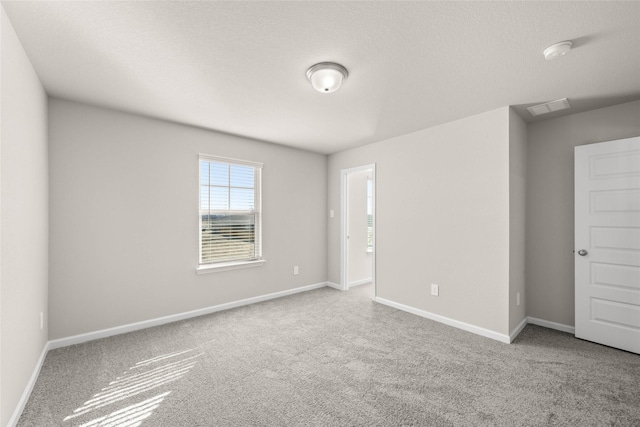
(556, 50)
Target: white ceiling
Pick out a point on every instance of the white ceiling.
(239, 67)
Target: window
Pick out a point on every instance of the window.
(230, 217)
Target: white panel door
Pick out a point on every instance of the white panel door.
(607, 243)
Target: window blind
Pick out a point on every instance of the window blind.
(229, 211)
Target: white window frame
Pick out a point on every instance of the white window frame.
(236, 264)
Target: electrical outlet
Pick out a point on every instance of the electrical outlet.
(435, 289)
(518, 298)
(41, 320)
(296, 270)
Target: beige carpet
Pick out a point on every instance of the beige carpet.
(331, 358)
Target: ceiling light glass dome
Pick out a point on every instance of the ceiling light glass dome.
(327, 77)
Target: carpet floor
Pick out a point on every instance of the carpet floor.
(331, 358)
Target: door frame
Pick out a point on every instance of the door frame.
(344, 210)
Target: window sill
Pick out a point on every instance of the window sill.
(225, 266)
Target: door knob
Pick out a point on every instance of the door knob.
(582, 252)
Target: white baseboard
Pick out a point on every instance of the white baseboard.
(77, 339)
(90, 336)
(29, 388)
(552, 325)
(447, 321)
(335, 286)
(359, 282)
(518, 329)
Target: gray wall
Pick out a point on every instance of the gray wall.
(550, 212)
(23, 220)
(124, 221)
(517, 214)
(442, 216)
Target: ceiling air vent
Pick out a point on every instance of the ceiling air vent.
(549, 107)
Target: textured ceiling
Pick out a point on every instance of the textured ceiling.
(239, 67)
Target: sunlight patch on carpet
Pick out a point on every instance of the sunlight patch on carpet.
(143, 377)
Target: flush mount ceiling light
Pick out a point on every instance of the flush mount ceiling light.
(327, 77)
(549, 107)
(556, 50)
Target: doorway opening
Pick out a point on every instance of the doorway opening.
(358, 227)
